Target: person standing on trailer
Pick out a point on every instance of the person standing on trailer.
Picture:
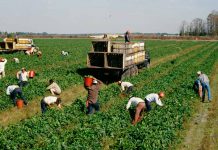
(3, 61)
(127, 36)
(14, 91)
(54, 88)
(139, 106)
(153, 97)
(92, 99)
(49, 101)
(126, 87)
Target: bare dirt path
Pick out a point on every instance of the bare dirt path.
(202, 131)
(14, 115)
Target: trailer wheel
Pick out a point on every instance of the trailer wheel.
(126, 74)
(134, 71)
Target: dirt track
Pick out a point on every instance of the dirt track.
(202, 132)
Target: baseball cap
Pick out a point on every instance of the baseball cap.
(95, 81)
(199, 72)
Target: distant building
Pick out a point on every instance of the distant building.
(212, 23)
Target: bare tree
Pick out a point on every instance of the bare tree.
(212, 23)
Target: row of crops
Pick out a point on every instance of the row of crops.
(64, 69)
(110, 128)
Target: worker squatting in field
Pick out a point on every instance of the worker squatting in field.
(54, 88)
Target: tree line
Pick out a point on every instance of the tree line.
(200, 27)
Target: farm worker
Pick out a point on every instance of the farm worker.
(92, 99)
(127, 36)
(126, 87)
(22, 76)
(39, 54)
(139, 105)
(153, 97)
(3, 61)
(16, 60)
(30, 51)
(54, 88)
(64, 53)
(197, 87)
(204, 82)
(14, 91)
(48, 101)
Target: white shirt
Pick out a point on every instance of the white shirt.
(134, 101)
(50, 99)
(55, 87)
(11, 88)
(22, 76)
(153, 97)
(16, 60)
(125, 84)
(2, 65)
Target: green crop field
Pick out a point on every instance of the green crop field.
(176, 64)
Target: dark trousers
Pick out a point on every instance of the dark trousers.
(43, 106)
(92, 106)
(22, 83)
(17, 92)
(148, 105)
(129, 89)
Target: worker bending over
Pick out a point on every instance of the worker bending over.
(153, 97)
(126, 87)
(14, 91)
(139, 105)
(48, 101)
(204, 82)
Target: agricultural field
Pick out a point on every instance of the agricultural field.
(173, 70)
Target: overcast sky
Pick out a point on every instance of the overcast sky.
(101, 16)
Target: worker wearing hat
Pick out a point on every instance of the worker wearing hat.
(22, 76)
(153, 97)
(3, 61)
(126, 87)
(92, 99)
(204, 82)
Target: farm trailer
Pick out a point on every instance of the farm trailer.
(117, 59)
(16, 44)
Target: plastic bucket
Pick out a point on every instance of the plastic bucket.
(88, 81)
(31, 74)
(19, 103)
